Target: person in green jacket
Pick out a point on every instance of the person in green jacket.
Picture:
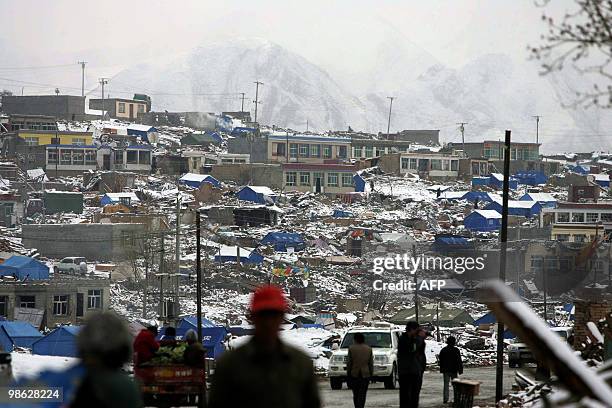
(265, 372)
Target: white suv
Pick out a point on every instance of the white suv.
(71, 264)
(383, 340)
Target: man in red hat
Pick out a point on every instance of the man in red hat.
(265, 372)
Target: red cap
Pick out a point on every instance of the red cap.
(268, 297)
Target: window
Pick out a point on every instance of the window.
(304, 179)
(454, 165)
(404, 163)
(577, 217)
(358, 152)
(226, 161)
(413, 164)
(144, 157)
(315, 150)
(127, 201)
(52, 156)
(28, 302)
(347, 180)
(563, 217)
(94, 299)
(369, 152)
(66, 157)
(30, 141)
(290, 178)
(318, 176)
(436, 164)
(293, 150)
(562, 237)
(304, 150)
(579, 238)
(60, 305)
(3, 306)
(78, 141)
(445, 165)
(121, 107)
(537, 263)
(141, 108)
(118, 156)
(332, 179)
(592, 217)
(606, 217)
(132, 157)
(90, 157)
(78, 157)
(327, 152)
(278, 149)
(342, 152)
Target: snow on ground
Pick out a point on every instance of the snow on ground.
(27, 365)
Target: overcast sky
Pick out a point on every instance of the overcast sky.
(453, 31)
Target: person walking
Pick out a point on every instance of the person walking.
(265, 372)
(410, 351)
(451, 365)
(359, 369)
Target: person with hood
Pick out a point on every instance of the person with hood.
(145, 344)
(104, 384)
(265, 372)
(195, 352)
(410, 363)
(168, 339)
(451, 365)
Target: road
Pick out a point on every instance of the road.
(431, 393)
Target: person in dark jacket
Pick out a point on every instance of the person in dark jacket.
(104, 384)
(451, 365)
(195, 352)
(145, 345)
(359, 369)
(169, 337)
(410, 350)
(265, 372)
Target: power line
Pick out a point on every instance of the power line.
(35, 67)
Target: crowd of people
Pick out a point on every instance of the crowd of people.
(264, 372)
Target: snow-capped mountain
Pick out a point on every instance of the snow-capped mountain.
(492, 93)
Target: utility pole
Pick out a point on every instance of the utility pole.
(462, 130)
(177, 253)
(242, 104)
(390, 98)
(147, 248)
(103, 81)
(256, 101)
(499, 372)
(537, 118)
(162, 268)
(306, 125)
(416, 287)
(199, 277)
(82, 77)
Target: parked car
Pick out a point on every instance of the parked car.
(71, 264)
(383, 340)
(519, 353)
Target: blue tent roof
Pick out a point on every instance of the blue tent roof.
(17, 333)
(60, 342)
(24, 267)
(284, 240)
(212, 334)
(342, 214)
(489, 318)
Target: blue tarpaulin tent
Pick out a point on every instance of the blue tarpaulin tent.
(359, 183)
(518, 208)
(239, 131)
(284, 240)
(489, 318)
(483, 221)
(196, 180)
(497, 180)
(143, 131)
(60, 342)
(257, 194)
(230, 253)
(531, 178)
(24, 267)
(481, 196)
(212, 335)
(546, 200)
(342, 214)
(18, 334)
(480, 181)
(449, 244)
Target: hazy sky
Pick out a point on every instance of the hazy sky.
(453, 31)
